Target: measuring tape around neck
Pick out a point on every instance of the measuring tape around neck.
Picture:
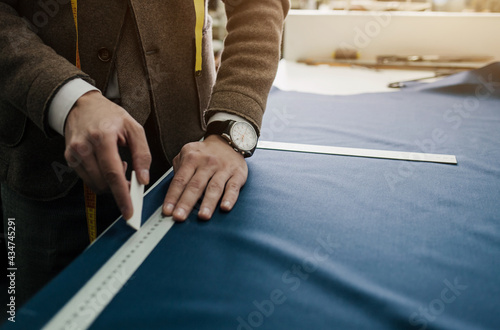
(199, 7)
(74, 7)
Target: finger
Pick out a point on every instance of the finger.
(192, 193)
(176, 188)
(111, 168)
(213, 193)
(89, 180)
(141, 156)
(176, 162)
(232, 191)
(95, 179)
(125, 165)
(85, 165)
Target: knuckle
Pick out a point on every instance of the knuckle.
(68, 154)
(135, 127)
(188, 147)
(74, 146)
(190, 156)
(112, 177)
(233, 187)
(215, 187)
(241, 173)
(96, 136)
(139, 128)
(178, 181)
(72, 158)
(188, 150)
(195, 184)
(81, 148)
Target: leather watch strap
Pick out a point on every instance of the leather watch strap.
(218, 127)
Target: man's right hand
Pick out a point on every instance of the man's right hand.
(94, 129)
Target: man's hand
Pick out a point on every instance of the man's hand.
(210, 166)
(94, 129)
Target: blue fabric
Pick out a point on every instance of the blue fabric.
(333, 242)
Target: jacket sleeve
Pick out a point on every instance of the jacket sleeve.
(30, 71)
(250, 58)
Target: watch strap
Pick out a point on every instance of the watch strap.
(219, 127)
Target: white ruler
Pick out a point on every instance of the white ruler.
(357, 152)
(86, 305)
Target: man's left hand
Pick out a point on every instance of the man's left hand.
(211, 166)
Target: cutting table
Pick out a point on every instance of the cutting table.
(323, 241)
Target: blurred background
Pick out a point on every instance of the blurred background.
(401, 5)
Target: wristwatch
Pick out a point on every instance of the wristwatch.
(239, 134)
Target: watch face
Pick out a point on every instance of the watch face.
(243, 136)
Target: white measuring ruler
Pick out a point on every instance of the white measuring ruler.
(357, 152)
(86, 305)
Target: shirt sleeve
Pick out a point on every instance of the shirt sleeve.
(64, 100)
(224, 116)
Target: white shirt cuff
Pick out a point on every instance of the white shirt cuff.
(223, 116)
(64, 100)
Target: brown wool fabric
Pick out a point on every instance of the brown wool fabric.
(132, 77)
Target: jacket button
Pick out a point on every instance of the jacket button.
(104, 54)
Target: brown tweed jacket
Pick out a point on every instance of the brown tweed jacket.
(37, 55)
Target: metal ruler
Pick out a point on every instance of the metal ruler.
(357, 152)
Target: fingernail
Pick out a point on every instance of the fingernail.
(180, 213)
(205, 212)
(145, 176)
(226, 204)
(167, 209)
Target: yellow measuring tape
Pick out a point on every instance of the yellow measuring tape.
(74, 7)
(199, 7)
(90, 196)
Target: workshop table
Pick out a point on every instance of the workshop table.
(324, 241)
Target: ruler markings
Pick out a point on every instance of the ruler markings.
(88, 303)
